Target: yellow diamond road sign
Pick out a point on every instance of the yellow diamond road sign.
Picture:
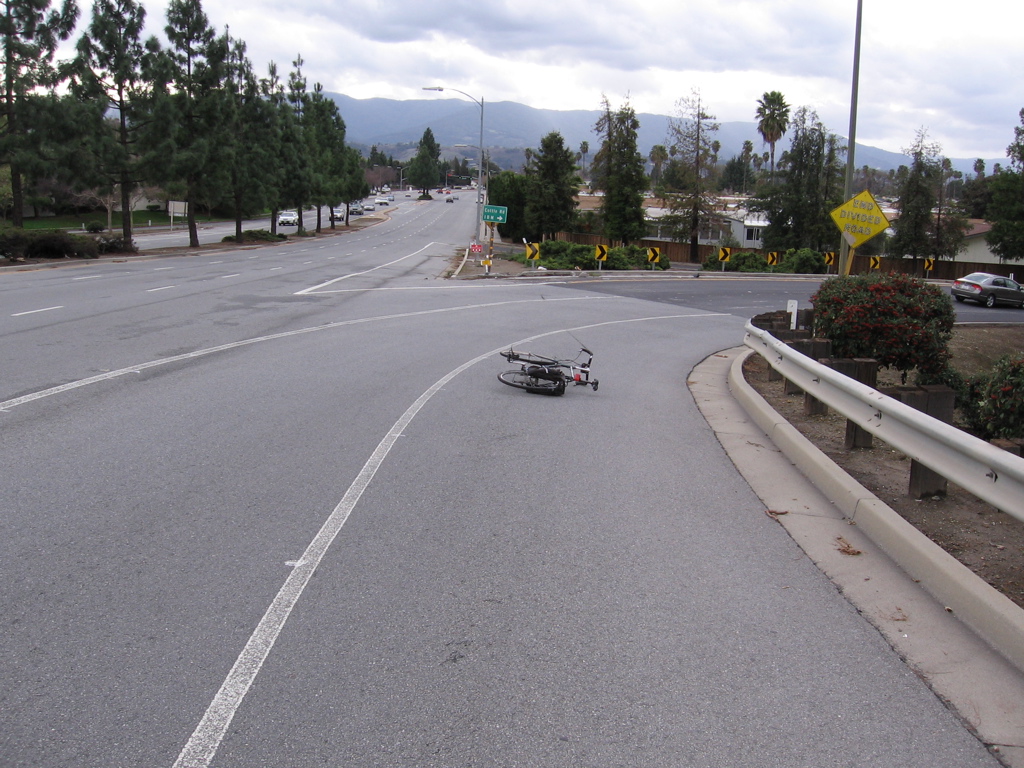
(859, 219)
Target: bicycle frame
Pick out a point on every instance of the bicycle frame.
(548, 375)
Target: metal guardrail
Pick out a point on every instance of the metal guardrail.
(990, 473)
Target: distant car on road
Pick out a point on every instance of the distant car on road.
(288, 219)
(988, 289)
(355, 208)
(368, 206)
(381, 201)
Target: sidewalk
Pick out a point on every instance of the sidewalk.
(974, 680)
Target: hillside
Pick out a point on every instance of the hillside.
(509, 128)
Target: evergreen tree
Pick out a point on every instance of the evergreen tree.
(809, 186)
(692, 202)
(252, 137)
(29, 35)
(1006, 210)
(325, 148)
(619, 172)
(422, 172)
(195, 95)
(927, 225)
(112, 61)
(298, 179)
(553, 187)
(735, 174)
(511, 190)
(353, 179)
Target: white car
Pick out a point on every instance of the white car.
(381, 201)
(368, 206)
(288, 219)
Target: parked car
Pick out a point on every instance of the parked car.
(988, 289)
(288, 219)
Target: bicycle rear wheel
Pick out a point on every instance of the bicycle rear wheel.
(522, 380)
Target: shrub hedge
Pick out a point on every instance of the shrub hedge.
(899, 320)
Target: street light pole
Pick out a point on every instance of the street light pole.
(480, 170)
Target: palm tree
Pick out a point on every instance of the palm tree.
(658, 158)
(772, 120)
(584, 151)
(748, 151)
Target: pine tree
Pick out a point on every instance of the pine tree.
(1006, 209)
(113, 59)
(554, 184)
(194, 98)
(618, 169)
(927, 225)
(692, 202)
(29, 35)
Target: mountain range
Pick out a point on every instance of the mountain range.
(395, 128)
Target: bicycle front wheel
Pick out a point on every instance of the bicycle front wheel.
(522, 380)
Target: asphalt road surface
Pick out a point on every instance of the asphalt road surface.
(274, 508)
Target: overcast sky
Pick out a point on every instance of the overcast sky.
(955, 69)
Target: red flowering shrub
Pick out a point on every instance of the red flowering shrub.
(901, 321)
(1000, 404)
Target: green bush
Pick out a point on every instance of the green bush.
(46, 244)
(559, 254)
(802, 262)
(114, 244)
(750, 262)
(56, 244)
(1000, 403)
(969, 398)
(901, 321)
(13, 243)
(254, 235)
(94, 227)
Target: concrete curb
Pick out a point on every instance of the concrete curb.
(996, 618)
(797, 484)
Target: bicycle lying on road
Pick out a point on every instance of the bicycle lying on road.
(547, 375)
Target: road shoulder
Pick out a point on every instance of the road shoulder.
(980, 685)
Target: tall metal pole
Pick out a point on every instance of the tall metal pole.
(845, 260)
(480, 170)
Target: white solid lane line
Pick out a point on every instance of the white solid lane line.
(34, 311)
(207, 737)
(304, 291)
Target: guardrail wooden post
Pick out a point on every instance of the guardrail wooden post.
(803, 344)
(1014, 445)
(865, 370)
(937, 402)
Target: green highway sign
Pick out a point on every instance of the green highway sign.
(495, 214)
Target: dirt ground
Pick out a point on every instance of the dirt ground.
(984, 539)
